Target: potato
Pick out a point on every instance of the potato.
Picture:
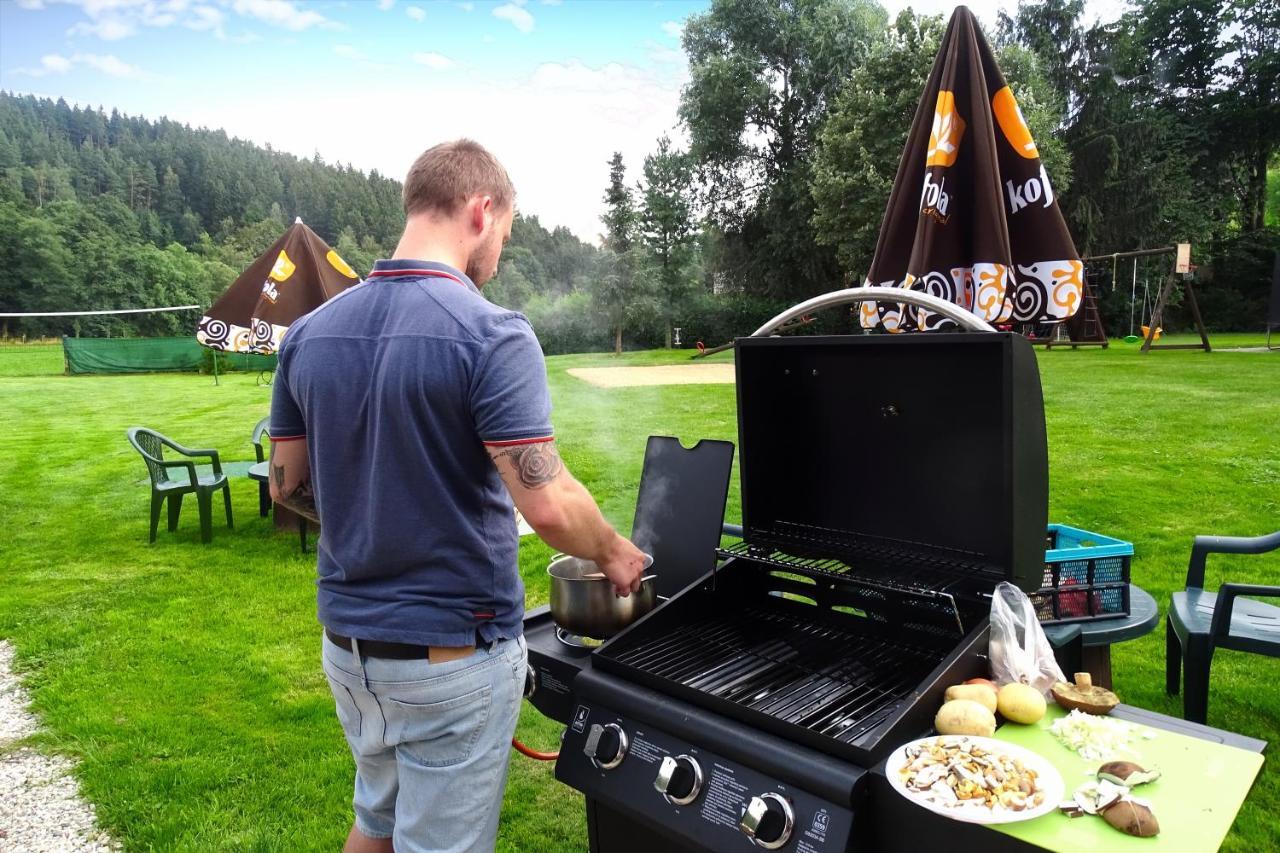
(965, 717)
(1020, 703)
(987, 681)
(980, 693)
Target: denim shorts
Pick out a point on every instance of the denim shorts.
(430, 741)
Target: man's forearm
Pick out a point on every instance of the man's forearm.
(580, 529)
(568, 519)
(299, 499)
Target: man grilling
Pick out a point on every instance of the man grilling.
(407, 414)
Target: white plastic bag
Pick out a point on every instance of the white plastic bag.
(1019, 649)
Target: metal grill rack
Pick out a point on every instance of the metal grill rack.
(900, 566)
(829, 681)
(935, 578)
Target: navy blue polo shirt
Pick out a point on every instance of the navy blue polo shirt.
(398, 384)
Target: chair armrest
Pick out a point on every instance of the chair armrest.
(1227, 593)
(1205, 545)
(179, 463)
(727, 529)
(196, 453)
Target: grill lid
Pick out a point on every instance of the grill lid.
(888, 450)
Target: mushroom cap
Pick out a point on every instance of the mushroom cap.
(1091, 700)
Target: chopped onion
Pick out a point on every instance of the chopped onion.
(1096, 738)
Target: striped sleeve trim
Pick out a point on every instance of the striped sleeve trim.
(516, 441)
(278, 438)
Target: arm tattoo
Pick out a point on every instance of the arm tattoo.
(301, 501)
(535, 464)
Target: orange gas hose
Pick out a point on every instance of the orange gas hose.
(533, 753)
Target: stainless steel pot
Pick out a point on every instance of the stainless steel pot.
(588, 606)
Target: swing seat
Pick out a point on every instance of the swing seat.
(1132, 339)
(1146, 330)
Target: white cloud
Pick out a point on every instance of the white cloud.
(384, 5)
(206, 18)
(107, 29)
(346, 51)
(109, 65)
(466, 7)
(31, 4)
(282, 13)
(111, 20)
(673, 28)
(54, 63)
(416, 13)
(434, 61)
(662, 53)
(519, 18)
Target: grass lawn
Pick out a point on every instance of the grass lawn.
(186, 679)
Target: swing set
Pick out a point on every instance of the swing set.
(1147, 315)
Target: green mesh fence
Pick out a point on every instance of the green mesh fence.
(148, 355)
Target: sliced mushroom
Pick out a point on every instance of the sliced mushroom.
(1127, 773)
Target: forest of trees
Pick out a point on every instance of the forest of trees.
(1160, 127)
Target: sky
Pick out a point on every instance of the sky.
(552, 87)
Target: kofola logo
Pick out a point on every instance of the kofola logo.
(934, 199)
(1014, 127)
(1032, 191)
(1012, 124)
(944, 148)
(946, 133)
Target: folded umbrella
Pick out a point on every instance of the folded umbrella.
(293, 277)
(973, 217)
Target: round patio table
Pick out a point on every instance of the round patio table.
(259, 473)
(1097, 637)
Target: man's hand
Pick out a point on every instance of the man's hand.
(624, 566)
(291, 477)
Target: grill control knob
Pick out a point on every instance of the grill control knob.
(679, 780)
(606, 745)
(768, 820)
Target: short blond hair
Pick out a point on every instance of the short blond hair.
(448, 174)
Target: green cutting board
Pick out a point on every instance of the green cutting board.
(1195, 800)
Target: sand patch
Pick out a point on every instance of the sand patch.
(666, 374)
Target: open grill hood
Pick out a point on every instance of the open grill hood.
(901, 455)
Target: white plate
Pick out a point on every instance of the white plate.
(1048, 780)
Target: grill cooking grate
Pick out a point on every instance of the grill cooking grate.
(830, 681)
(899, 566)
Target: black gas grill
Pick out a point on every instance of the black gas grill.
(888, 484)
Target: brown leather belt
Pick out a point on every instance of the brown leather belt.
(401, 651)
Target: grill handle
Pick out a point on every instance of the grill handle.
(950, 310)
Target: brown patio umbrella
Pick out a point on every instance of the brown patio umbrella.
(293, 277)
(972, 217)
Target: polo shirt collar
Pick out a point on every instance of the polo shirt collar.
(395, 268)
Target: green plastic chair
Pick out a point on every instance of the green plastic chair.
(1199, 621)
(151, 445)
(262, 432)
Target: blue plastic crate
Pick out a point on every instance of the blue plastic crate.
(1086, 576)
